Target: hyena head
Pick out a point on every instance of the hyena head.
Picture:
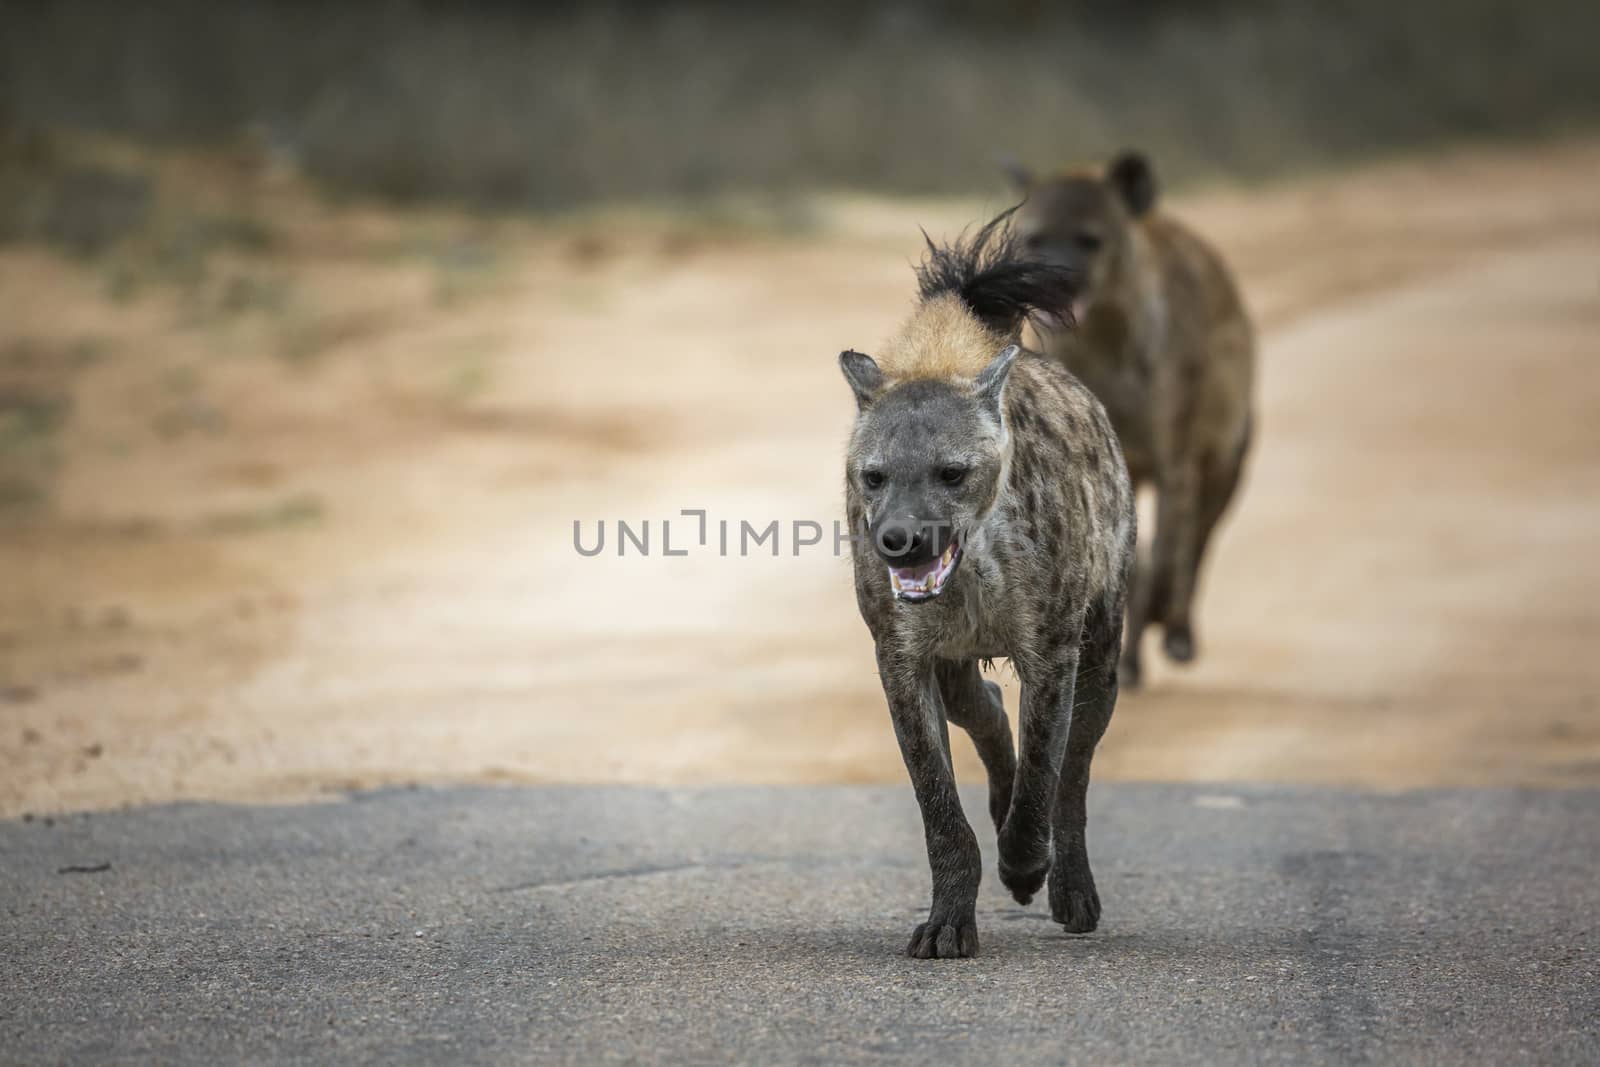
(930, 448)
(927, 461)
(1084, 220)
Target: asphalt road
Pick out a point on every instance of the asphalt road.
(596, 925)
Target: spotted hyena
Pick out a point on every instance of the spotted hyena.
(1161, 336)
(996, 520)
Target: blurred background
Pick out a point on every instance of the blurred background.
(320, 328)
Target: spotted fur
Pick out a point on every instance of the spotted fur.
(1042, 523)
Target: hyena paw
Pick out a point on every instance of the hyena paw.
(944, 939)
(1074, 902)
(1178, 643)
(1023, 881)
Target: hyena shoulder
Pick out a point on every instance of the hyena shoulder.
(1204, 308)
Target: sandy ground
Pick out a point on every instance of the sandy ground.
(325, 540)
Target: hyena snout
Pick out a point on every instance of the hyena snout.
(921, 556)
(906, 541)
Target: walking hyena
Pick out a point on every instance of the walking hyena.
(1162, 338)
(1001, 523)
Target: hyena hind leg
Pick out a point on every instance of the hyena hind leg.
(1174, 557)
(977, 707)
(1074, 902)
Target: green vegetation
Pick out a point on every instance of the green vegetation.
(298, 510)
(552, 106)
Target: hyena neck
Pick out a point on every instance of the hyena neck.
(1124, 319)
(1145, 304)
(976, 621)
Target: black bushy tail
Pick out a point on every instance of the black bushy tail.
(992, 274)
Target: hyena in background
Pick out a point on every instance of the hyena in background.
(1162, 338)
(1001, 524)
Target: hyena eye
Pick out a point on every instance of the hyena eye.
(872, 479)
(1088, 242)
(953, 474)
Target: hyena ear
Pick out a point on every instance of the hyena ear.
(990, 385)
(1131, 176)
(863, 375)
(1017, 173)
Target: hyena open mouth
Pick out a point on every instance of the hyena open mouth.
(926, 580)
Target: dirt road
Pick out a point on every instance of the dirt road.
(327, 541)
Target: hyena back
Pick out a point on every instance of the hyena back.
(1000, 517)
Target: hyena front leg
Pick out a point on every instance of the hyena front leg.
(977, 707)
(953, 858)
(1074, 902)
(1173, 558)
(1219, 480)
(1025, 843)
